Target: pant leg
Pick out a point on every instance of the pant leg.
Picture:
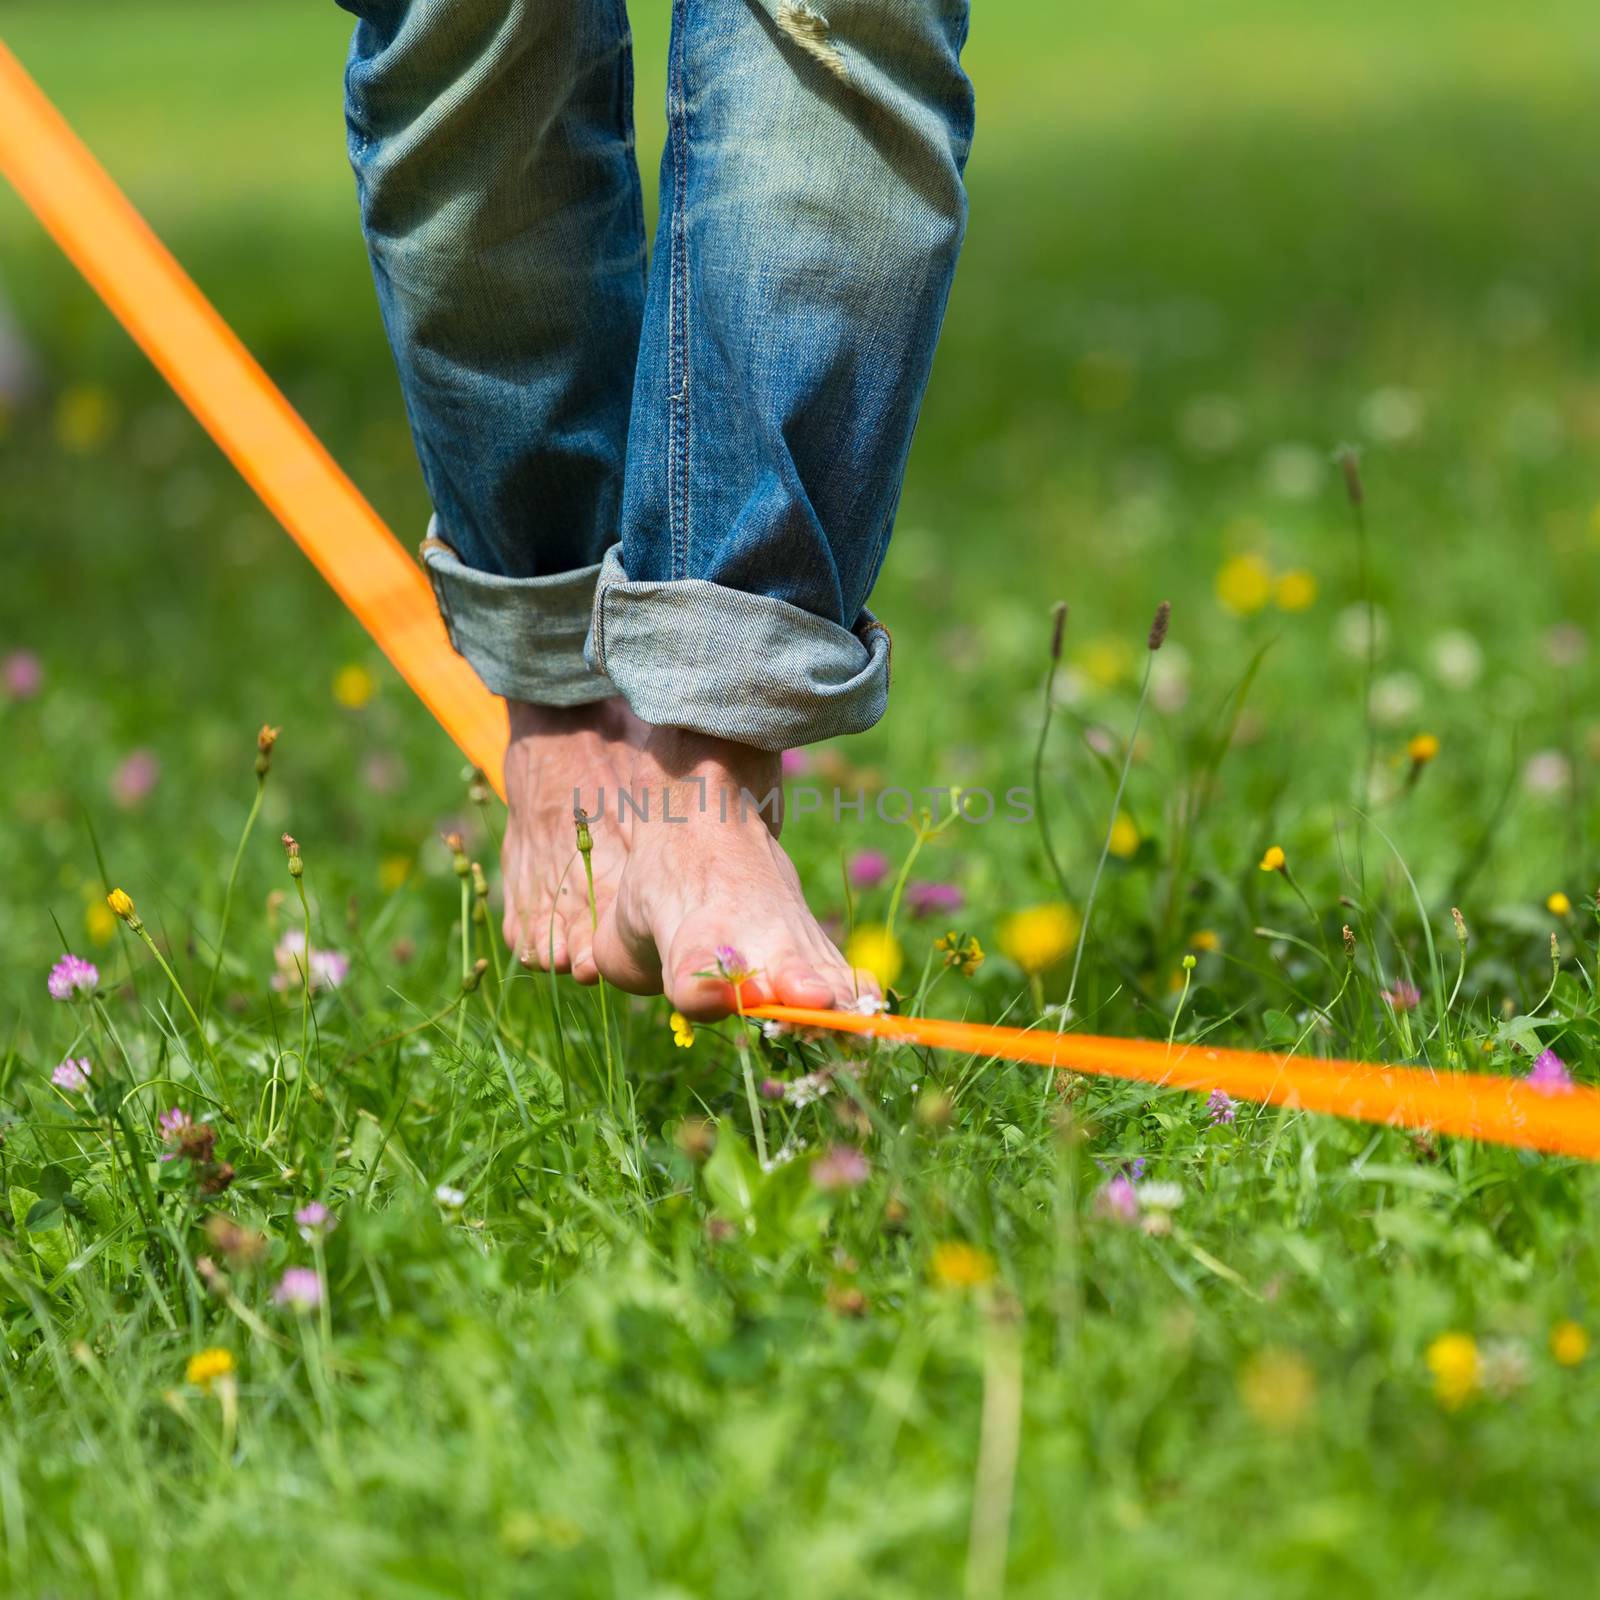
(492, 142)
(812, 209)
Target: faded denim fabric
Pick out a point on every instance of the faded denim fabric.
(690, 468)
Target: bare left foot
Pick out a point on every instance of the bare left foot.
(554, 753)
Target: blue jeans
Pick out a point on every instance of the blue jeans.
(675, 480)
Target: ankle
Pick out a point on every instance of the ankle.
(607, 718)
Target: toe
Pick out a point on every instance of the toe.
(799, 983)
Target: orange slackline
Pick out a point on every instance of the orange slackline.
(1477, 1106)
(282, 460)
(242, 409)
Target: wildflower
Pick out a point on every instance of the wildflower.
(868, 868)
(1549, 1074)
(1205, 940)
(1274, 860)
(1548, 772)
(1457, 660)
(732, 965)
(1460, 926)
(451, 1199)
(1422, 748)
(1117, 1200)
(173, 1123)
(867, 1005)
(1361, 629)
(875, 949)
(72, 977)
(1157, 1202)
(1504, 1367)
(1158, 627)
(136, 775)
(1569, 1343)
(242, 1246)
(1221, 1107)
(804, 1091)
(1456, 1367)
(22, 675)
(795, 763)
(771, 1089)
(314, 1219)
(326, 969)
(121, 904)
(299, 1288)
(1244, 585)
(841, 1166)
(1040, 936)
(1403, 995)
(265, 740)
(394, 872)
(960, 1266)
(933, 899)
(72, 1076)
(354, 686)
(205, 1367)
(1295, 591)
(1558, 905)
(1277, 1388)
(682, 1033)
(961, 951)
(1124, 838)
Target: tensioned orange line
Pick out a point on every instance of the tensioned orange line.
(284, 462)
(241, 408)
(1476, 1106)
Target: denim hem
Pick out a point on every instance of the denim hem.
(746, 667)
(523, 636)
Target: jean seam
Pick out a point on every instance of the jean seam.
(625, 122)
(677, 303)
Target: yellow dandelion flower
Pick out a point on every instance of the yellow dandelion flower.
(98, 922)
(85, 415)
(1277, 1388)
(1205, 940)
(354, 686)
(393, 873)
(682, 1033)
(1295, 591)
(1124, 837)
(1244, 585)
(959, 1266)
(206, 1366)
(121, 904)
(1422, 749)
(1105, 661)
(1558, 905)
(1569, 1343)
(1039, 937)
(1274, 860)
(875, 949)
(1457, 1369)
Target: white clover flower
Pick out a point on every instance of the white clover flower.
(451, 1199)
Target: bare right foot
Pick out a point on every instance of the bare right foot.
(714, 878)
(556, 752)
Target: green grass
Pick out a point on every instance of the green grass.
(1208, 245)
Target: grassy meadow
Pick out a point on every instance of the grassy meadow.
(460, 1291)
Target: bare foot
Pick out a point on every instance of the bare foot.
(707, 873)
(555, 752)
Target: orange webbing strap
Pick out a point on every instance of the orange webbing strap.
(242, 409)
(1504, 1110)
(283, 461)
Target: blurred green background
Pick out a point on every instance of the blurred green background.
(1207, 245)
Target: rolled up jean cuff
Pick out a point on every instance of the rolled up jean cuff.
(746, 667)
(523, 636)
